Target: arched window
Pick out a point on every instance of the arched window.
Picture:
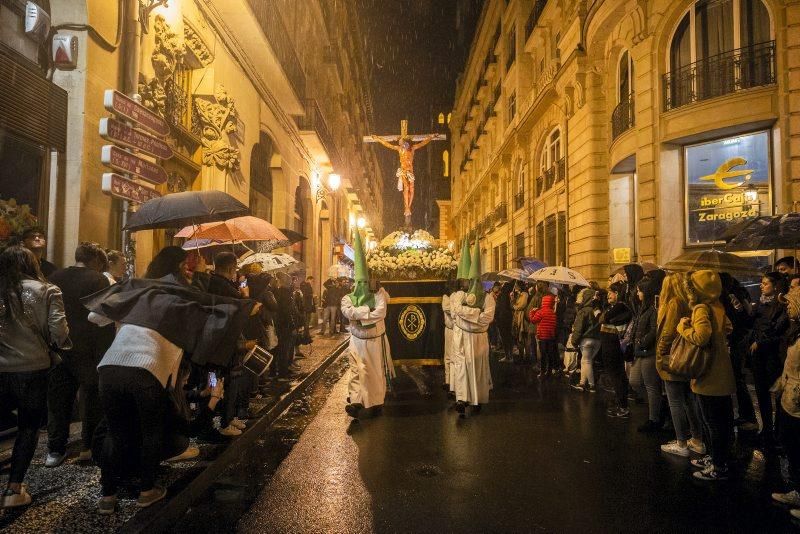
(548, 160)
(441, 118)
(625, 77)
(730, 43)
(446, 164)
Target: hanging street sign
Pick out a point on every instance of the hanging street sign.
(120, 133)
(128, 108)
(118, 159)
(120, 187)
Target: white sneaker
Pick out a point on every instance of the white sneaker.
(791, 498)
(230, 431)
(696, 446)
(673, 448)
(795, 513)
(54, 459)
(238, 423)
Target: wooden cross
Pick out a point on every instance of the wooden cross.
(404, 135)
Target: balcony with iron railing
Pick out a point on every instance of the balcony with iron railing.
(623, 118)
(556, 173)
(314, 121)
(533, 18)
(281, 44)
(501, 214)
(722, 74)
(519, 200)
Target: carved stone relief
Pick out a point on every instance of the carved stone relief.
(196, 45)
(166, 58)
(217, 118)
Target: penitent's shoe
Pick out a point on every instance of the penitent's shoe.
(230, 431)
(353, 410)
(190, 453)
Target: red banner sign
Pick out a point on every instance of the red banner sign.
(120, 187)
(117, 158)
(126, 107)
(120, 133)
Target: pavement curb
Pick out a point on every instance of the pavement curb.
(161, 517)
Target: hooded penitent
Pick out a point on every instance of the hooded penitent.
(361, 295)
(464, 262)
(475, 295)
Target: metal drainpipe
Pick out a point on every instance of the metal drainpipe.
(566, 189)
(131, 56)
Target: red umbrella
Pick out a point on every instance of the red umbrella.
(246, 228)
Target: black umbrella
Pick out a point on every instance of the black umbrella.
(765, 233)
(182, 209)
(294, 237)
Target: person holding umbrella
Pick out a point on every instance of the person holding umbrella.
(370, 359)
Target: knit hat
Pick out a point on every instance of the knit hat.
(464, 261)
(706, 284)
(475, 295)
(361, 295)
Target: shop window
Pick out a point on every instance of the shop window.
(625, 77)
(503, 265)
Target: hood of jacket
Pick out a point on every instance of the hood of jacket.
(585, 296)
(548, 301)
(703, 286)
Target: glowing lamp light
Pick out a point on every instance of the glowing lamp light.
(362, 222)
(334, 181)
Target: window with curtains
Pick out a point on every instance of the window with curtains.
(719, 47)
(540, 241)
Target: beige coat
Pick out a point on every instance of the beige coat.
(519, 306)
(789, 382)
(718, 381)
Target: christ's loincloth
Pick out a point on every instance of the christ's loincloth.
(402, 173)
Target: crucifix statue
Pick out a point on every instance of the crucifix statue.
(405, 173)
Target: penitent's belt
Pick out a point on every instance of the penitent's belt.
(472, 331)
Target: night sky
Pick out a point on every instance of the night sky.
(415, 51)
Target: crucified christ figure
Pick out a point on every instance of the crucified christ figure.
(405, 173)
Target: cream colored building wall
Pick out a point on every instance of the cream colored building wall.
(581, 99)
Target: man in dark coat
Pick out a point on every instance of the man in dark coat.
(78, 368)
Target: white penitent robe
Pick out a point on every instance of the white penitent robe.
(448, 340)
(470, 356)
(370, 359)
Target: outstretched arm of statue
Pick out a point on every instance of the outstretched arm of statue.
(384, 142)
(424, 142)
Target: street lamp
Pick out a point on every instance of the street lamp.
(362, 222)
(334, 181)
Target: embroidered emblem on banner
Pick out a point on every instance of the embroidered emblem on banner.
(412, 322)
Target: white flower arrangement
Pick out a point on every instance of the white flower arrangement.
(401, 256)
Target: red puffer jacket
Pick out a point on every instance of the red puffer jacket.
(545, 318)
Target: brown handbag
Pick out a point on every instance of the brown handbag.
(686, 359)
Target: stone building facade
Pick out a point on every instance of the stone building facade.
(264, 99)
(594, 133)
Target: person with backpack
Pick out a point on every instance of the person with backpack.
(586, 338)
(709, 327)
(546, 323)
(644, 377)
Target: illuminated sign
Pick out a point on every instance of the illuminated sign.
(717, 176)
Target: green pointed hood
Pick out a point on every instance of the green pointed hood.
(463, 264)
(361, 295)
(475, 286)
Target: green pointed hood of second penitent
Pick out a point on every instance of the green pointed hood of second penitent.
(463, 264)
(475, 286)
(361, 295)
